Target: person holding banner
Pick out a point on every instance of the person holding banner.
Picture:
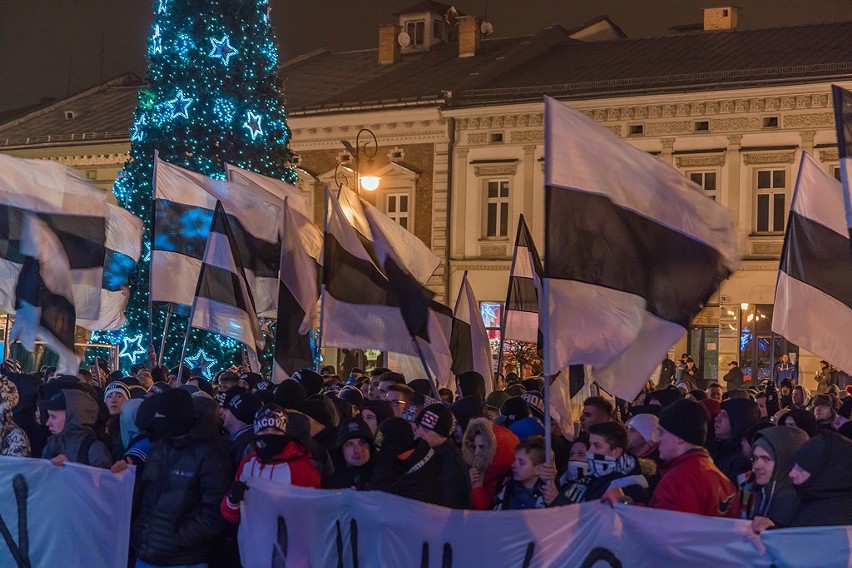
(774, 500)
(71, 415)
(13, 439)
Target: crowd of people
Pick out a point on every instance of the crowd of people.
(770, 453)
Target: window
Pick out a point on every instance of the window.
(707, 182)
(702, 126)
(495, 138)
(770, 122)
(397, 208)
(635, 129)
(771, 201)
(437, 29)
(497, 208)
(835, 171)
(416, 31)
(492, 316)
(760, 349)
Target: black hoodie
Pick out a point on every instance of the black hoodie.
(826, 497)
(743, 413)
(778, 500)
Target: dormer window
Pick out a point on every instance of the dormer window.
(416, 30)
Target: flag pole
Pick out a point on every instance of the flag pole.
(506, 303)
(432, 380)
(165, 332)
(151, 262)
(322, 279)
(548, 429)
(458, 297)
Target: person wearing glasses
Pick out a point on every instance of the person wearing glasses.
(399, 396)
(774, 500)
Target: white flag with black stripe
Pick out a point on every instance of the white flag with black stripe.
(412, 253)
(297, 300)
(184, 203)
(279, 188)
(71, 206)
(469, 343)
(815, 269)
(524, 289)
(843, 127)
(45, 295)
(223, 302)
(632, 252)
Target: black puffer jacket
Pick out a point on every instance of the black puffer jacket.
(826, 497)
(182, 487)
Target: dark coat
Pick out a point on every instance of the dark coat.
(734, 378)
(240, 447)
(182, 487)
(455, 479)
(349, 477)
(778, 500)
(826, 497)
(416, 477)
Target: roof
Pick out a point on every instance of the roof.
(104, 112)
(427, 6)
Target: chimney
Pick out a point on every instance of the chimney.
(468, 35)
(724, 18)
(388, 45)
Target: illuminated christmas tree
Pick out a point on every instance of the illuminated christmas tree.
(213, 96)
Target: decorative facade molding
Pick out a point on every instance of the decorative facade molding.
(676, 127)
(782, 157)
(735, 124)
(494, 251)
(767, 248)
(480, 265)
(667, 144)
(488, 170)
(830, 155)
(477, 138)
(735, 139)
(700, 160)
(526, 136)
(809, 120)
(807, 136)
(93, 160)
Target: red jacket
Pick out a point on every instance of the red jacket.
(504, 454)
(691, 483)
(293, 465)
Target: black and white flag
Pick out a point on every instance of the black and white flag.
(815, 270)
(469, 342)
(297, 301)
(72, 207)
(44, 309)
(223, 302)
(632, 252)
(279, 188)
(524, 289)
(843, 126)
(184, 204)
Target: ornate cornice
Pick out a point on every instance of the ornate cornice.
(830, 155)
(700, 160)
(93, 160)
(781, 157)
(486, 170)
(809, 120)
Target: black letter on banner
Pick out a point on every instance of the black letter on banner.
(353, 541)
(529, 555)
(339, 542)
(424, 556)
(601, 555)
(447, 560)
(279, 550)
(21, 551)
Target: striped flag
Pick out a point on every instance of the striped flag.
(815, 269)
(632, 253)
(45, 295)
(279, 188)
(469, 341)
(71, 206)
(524, 289)
(297, 300)
(184, 204)
(223, 302)
(843, 125)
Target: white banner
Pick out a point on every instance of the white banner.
(73, 515)
(293, 526)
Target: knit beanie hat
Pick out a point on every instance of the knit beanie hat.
(271, 416)
(223, 398)
(665, 396)
(527, 427)
(119, 387)
(742, 413)
(251, 378)
(803, 419)
(646, 425)
(290, 394)
(159, 387)
(535, 400)
(423, 386)
(244, 405)
(495, 399)
(467, 408)
(685, 419)
(438, 418)
(381, 408)
(265, 386)
(311, 380)
(515, 408)
(352, 395)
(394, 437)
(533, 384)
(321, 409)
(175, 413)
(471, 383)
(353, 428)
(516, 389)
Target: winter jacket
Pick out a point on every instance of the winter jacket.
(728, 455)
(692, 484)
(350, 477)
(240, 444)
(825, 378)
(25, 412)
(513, 496)
(777, 500)
(136, 444)
(81, 411)
(455, 480)
(416, 476)
(13, 440)
(734, 378)
(495, 462)
(181, 490)
(826, 497)
(291, 466)
(785, 371)
(623, 472)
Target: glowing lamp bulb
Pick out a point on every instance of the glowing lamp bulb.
(370, 183)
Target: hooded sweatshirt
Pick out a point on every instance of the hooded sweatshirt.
(495, 462)
(826, 497)
(13, 440)
(81, 411)
(777, 500)
(135, 443)
(728, 456)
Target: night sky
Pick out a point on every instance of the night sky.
(51, 48)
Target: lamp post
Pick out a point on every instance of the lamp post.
(364, 178)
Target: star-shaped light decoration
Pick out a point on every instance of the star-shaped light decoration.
(202, 361)
(266, 326)
(157, 40)
(222, 49)
(138, 133)
(131, 348)
(163, 6)
(180, 105)
(253, 124)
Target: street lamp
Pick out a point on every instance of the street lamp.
(365, 177)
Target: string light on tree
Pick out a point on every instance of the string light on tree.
(132, 348)
(180, 105)
(162, 7)
(138, 131)
(157, 41)
(202, 361)
(222, 49)
(253, 124)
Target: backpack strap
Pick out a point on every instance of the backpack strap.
(85, 446)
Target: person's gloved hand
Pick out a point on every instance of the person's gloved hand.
(237, 492)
